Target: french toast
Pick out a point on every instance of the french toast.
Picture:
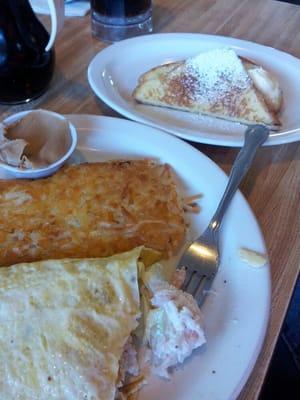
(91, 210)
(216, 83)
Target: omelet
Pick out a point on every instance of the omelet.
(91, 210)
(64, 325)
(92, 329)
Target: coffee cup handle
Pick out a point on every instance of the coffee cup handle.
(57, 14)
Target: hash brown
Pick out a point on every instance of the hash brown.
(91, 210)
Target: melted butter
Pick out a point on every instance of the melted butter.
(253, 258)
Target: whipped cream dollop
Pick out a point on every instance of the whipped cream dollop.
(267, 85)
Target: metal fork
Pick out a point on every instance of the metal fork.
(202, 258)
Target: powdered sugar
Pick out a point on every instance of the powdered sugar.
(215, 74)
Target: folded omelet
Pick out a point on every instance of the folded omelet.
(63, 326)
(91, 210)
(76, 328)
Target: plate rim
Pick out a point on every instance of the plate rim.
(284, 137)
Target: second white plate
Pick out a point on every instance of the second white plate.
(113, 74)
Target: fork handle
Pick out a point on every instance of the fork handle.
(255, 136)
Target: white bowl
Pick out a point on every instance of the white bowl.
(50, 169)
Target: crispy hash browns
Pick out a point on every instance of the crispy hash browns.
(91, 210)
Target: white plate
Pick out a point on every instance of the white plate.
(236, 315)
(236, 312)
(114, 72)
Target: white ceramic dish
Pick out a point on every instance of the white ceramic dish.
(40, 172)
(114, 72)
(236, 312)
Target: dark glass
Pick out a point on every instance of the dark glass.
(120, 8)
(25, 67)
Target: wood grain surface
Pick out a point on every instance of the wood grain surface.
(273, 185)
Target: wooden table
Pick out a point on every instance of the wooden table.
(272, 186)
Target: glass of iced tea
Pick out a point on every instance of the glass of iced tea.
(114, 20)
